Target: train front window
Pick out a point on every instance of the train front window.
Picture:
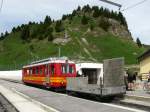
(71, 69)
(66, 68)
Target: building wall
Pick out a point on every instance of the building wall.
(145, 67)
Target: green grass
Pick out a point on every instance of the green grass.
(112, 47)
(101, 45)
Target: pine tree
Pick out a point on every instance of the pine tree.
(59, 26)
(138, 42)
(84, 20)
(74, 13)
(48, 20)
(86, 8)
(25, 34)
(13, 29)
(79, 8)
(64, 17)
(18, 29)
(6, 33)
(122, 19)
(96, 12)
(1, 36)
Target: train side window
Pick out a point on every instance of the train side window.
(33, 70)
(27, 71)
(36, 70)
(41, 70)
(52, 69)
(30, 71)
(63, 69)
(45, 69)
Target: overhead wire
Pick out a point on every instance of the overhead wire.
(120, 5)
(111, 2)
(132, 6)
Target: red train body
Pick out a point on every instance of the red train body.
(50, 72)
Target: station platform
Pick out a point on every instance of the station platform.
(56, 102)
(20, 103)
(137, 98)
(139, 95)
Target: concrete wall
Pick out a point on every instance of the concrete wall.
(11, 75)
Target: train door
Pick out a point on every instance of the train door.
(92, 75)
(47, 74)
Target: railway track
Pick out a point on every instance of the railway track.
(116, 101)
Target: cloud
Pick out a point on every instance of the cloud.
(17, 12)
(138, 21)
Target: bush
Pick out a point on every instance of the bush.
(59, 27)
(96, 12)
(84, 20)
(41, 37)
(91, 27)
(31, 47)
(50, 37)
(25, 34)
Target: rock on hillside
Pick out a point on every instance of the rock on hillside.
(88, 33)
(119, 30)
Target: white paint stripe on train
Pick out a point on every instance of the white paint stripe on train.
(45, 107)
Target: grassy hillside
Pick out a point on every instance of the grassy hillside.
(84, 41)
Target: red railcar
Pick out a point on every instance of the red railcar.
(51, 72)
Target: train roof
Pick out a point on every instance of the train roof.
(48, 60)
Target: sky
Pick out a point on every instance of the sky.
(17, 12)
